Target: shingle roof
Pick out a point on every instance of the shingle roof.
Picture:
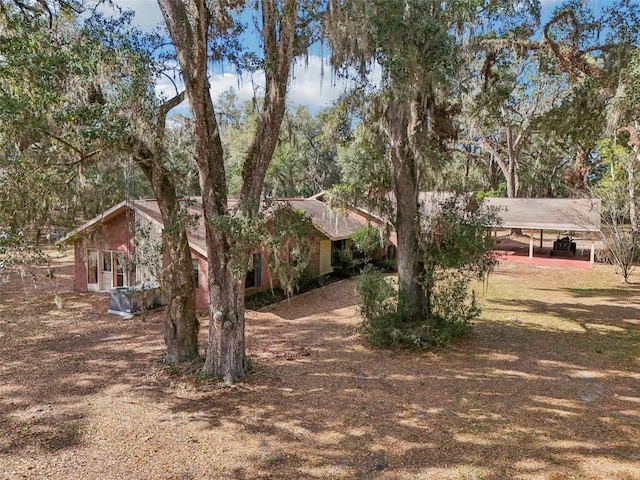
(527, 213)
(578, 214)
(149, 209)
(336, 226)
(196, 233)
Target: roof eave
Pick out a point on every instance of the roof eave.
(550, 226)
(104, 216)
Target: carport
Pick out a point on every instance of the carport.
(559, 214)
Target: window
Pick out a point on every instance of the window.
(118, 267)
(106, 262)
(92, 266)
(253, 276)
(337, 248)
(196, 270)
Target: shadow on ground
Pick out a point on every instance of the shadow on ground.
(545, 388)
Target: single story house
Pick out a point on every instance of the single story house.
(105, 246)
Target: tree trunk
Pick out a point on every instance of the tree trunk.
(508, 167)
(225, 348)
(189, 31)
(278, 36)
(400, 128)
(634, 143)
(226, 345)
(512, 180)
(577, 175)
(634, 221)
(181, 324)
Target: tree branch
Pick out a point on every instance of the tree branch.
(83, 156)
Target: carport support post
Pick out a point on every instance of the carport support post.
(592, 255)
(541, 236)
(531, 243)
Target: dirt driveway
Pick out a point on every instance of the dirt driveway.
(547, 387)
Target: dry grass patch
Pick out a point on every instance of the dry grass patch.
(547, 387)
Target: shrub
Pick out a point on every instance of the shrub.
(455, 250)
(344, 265)
(386, 264)
(385, 324)
(367, 242)
(263, 298)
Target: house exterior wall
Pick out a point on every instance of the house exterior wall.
(111, 236)
(117, 235)
(265, 280)
(324, 257)
(202, 287)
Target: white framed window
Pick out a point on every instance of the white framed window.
(92, 267)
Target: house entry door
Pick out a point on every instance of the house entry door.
(107, 270)
(113, 274)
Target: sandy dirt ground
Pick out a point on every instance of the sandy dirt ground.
(546, 387)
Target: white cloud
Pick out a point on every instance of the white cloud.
(147, 12)
(244, 86)
(312, 83)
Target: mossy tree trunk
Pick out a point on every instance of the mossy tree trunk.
(181, 324)
(189, 25)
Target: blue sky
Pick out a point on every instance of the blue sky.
(309, 87)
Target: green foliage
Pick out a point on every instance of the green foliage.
(288, 240)
(617, 189)
(455, 236)
(366, 175)
(244, 235)
(367, 242)
(452, 304)
(613, 160)
(455, 250)
(286, 236)
(20, 256)
(378, 297)
(344, 264)
(303, 162)
(71, 94)
(147, 254)
(385, 324)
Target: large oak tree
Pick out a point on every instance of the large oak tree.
(197, 29)
(418, 46)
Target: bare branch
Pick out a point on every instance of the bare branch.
(175, 85)
(83, 156)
